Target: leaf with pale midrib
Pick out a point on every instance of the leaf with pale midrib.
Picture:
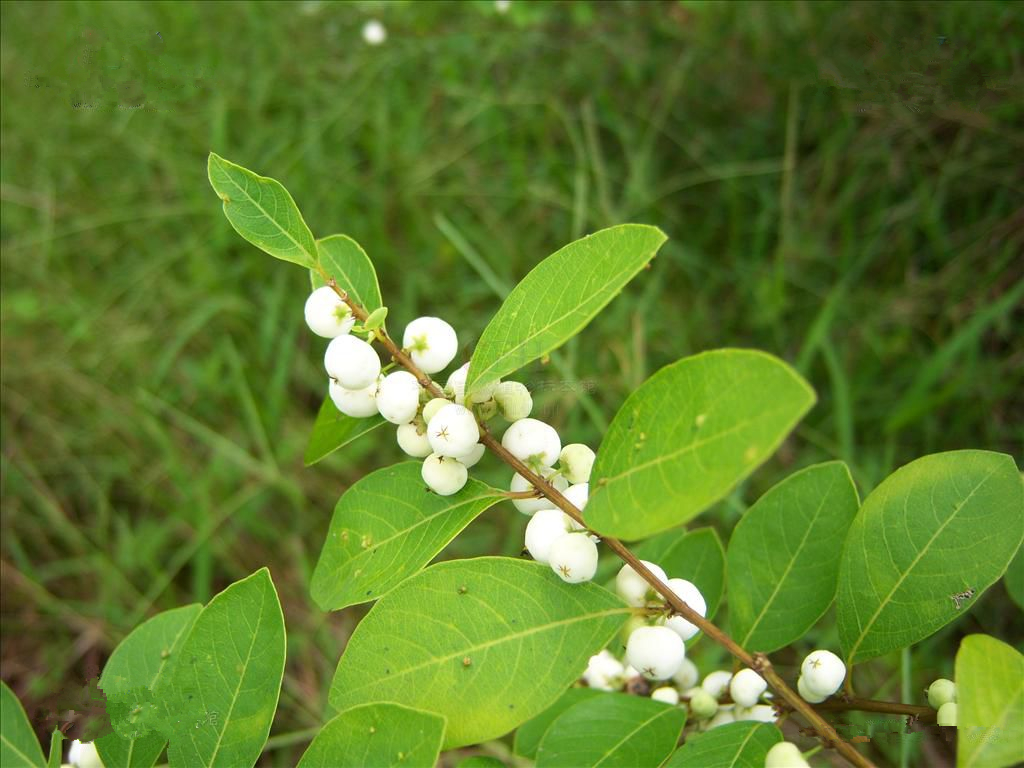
(612, 730)
(219, 698)
(19, 747)
(377, 736)
(688, 435)
(736, 745)
(782, 562)
(559, 297)
(488, 643)
(262, 211)
(385, 528)
(139, 662)
(935, 528)
(343, 258)
(990, 703)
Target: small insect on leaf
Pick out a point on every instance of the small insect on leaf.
(960, 597)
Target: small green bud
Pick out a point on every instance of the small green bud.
(576, 461)
(702, 704)
(376, 319)
(942, 691)
(947, 714)
(513, 399)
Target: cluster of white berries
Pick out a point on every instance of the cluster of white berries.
(684, 688)
(83, 754)
(821, 674)
(942, 697)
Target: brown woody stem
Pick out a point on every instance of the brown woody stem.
(758, 661)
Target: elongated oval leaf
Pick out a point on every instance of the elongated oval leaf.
(559, 297)
(333, 429)
(990, 703)
(262, 211)
(943, 525)
(378, 735)
(219, 697)
(343, 258)
(529, 734)
(612, 730)
(488, 643)
(782, 562)
(127, 682)
(690, 433)
(385, 528)
(19, 747)
(736, 745)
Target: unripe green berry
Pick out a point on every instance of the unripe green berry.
(576, 461)
(702, 704)
(513, 399)
(942, 691)
(947, 714)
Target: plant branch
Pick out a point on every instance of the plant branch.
(758, 661)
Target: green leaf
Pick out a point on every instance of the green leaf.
(736, 745)
(342, 258)
(488, 643)
(56, 748)
(386, 528)
(612, 730)
(529, 734)
(940, 526)
(333, 430)
(220, 694)
(1014, 579)
(990, 703)
(697, 556)
(128, 679)
(18, 743)
(688, 435)
(782, 562)
(559, 297)
(377, 735)
(262, 211)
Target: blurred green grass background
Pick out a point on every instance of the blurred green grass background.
(158, 383)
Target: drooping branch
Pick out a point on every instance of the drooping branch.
(758, 661)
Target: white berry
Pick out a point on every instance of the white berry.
(666, 694)
(823, 672)
(352, 362)
(374, 32)
(785, 755)
(443, 474)
(746, 687)
(947, 714)
(513, 400)
(475, 454)
(431, 342)
(413, 442)
(631, 586)
(657, 652)
(430, 409)
(576, 461)
(716, 683)
(520, 484)
(942, 691)
(723, 717)
(702, 704)
(453, 431)
(762, 713)
(604, 672)
(398, 397)
(456, 383)
(532, 441)
(327, 315)
(687, 676)
(573, 557)
(578, 494)
(689, 594)
(83, 754)
(808, 694)
(358, 403)
(544, 528)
